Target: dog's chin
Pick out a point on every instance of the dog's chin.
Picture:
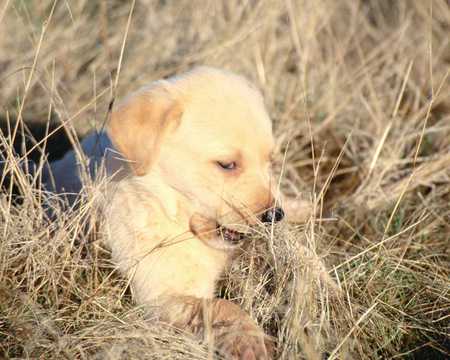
(218, 236)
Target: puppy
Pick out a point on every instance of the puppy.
(189, 166)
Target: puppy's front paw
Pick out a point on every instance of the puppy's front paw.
(247, 347)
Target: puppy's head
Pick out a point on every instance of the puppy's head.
(210, 138)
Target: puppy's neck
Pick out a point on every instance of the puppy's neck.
(171, 202)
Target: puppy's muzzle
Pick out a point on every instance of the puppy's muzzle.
(272, 215)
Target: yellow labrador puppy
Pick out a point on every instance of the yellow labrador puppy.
(189, 159)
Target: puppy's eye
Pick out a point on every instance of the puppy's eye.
(227, 165)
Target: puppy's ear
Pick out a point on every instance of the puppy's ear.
(138, 127)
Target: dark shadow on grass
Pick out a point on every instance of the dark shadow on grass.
(23, 147)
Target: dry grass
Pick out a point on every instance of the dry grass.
(359, 94)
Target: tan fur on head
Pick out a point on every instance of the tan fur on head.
(138, 126)
(182, 127)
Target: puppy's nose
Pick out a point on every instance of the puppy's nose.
(273, 215)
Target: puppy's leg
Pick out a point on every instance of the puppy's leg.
(220, 321)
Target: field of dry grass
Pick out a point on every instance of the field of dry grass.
(359, 92)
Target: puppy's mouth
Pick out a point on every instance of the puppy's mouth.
(211, 232)
(231, 236)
